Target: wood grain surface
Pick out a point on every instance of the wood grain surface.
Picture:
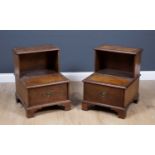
(110, 80)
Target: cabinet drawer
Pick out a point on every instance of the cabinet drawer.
(48, 94)
(103, 94)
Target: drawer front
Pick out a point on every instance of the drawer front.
(48, 94)
(103, 94)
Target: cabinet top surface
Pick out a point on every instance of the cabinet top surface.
(36, 49)
(110, 80)
(43, 80)
(118, 49)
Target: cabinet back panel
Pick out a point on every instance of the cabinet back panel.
(39, 61)
(114, 61)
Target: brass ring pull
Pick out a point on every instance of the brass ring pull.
(103, 94)
(48, 94)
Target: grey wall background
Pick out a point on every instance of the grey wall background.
(76, 46)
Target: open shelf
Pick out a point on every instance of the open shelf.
(112, 63)
(38, 63)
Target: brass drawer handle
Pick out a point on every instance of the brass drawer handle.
(48, 94)
(103, 94)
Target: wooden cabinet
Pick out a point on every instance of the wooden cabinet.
(39, 82)
(115, 82)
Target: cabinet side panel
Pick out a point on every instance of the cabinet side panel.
(137, 64)
(131, 92)
(16, 65)
(21, 92)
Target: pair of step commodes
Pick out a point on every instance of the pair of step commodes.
(114, 84)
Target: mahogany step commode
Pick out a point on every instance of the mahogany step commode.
(115, 82)
(39, 82)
